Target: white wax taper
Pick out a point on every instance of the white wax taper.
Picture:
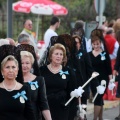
(95, 97)
(68, 101)
(94, 74)
(103, 82)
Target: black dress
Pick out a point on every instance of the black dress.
(101, 64)
(58, 88)
(16, 105)
(83, 69)
(38, 96)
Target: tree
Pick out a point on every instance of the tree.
(110, 9)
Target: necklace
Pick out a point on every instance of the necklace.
(55, 71)
(9, 90)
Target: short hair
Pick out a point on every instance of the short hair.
(79, 24)
(54, 20)
(23, 38)
(25, 21)
(55, 47)
(27, 54)
(8, 58)
(110, 31)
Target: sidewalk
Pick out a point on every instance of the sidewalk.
(107, 105)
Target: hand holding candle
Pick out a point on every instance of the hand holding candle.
(94, 74)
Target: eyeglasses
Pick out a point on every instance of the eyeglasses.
(29, 24)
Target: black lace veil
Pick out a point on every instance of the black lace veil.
(64, 39)
(30, 48)
(6, 50)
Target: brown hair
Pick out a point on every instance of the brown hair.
(79, 38)
(116, 26)
(95, 38)
(59, 47)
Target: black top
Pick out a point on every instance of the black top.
(58, 87)
(101, 64)
(16, 105)
(38, 96)
(83, 67)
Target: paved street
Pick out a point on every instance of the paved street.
(108, 114)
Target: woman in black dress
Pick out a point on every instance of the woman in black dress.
(15, 102)
(83, 68)
(37, 87)
(59, 82)
(101, 63)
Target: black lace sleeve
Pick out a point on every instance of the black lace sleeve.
(42, 98)
(28, 112)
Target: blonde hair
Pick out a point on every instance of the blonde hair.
(8, 58)
(77, 36)
(59, 47)
(27, 54)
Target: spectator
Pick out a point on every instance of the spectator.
(23, 39)
(79, 30)
(54, 24)
(28, 31)
(111, 43)
(11, 41)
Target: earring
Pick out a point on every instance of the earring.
(32, 70)
(16, 76)
(2, 75)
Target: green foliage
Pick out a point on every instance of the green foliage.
(3, 34)
(77, 9)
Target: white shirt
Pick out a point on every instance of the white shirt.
(88, 45)
(47, 36)
(114, 54)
